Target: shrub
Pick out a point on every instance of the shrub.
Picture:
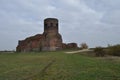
(99, 52)
(114, 50)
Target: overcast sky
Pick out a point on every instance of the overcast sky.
(95, 22)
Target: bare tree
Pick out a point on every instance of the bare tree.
(84, 46)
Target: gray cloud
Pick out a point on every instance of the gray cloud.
(95, 22)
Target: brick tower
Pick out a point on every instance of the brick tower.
(52, 39)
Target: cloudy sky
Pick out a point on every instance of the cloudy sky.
(95, 22)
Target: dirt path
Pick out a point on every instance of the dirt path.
(72, 52)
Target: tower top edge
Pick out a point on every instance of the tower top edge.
(51, 19)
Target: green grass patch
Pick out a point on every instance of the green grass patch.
(56, 66)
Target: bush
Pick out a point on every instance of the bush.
(114, 50)
(99, 52)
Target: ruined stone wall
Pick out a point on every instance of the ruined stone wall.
(72, 45)
(29, 44)
(69, 46)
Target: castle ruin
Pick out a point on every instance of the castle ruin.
(50, 40)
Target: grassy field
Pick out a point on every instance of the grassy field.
(57, 66)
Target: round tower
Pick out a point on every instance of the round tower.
(52, 38)
(51, 25)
